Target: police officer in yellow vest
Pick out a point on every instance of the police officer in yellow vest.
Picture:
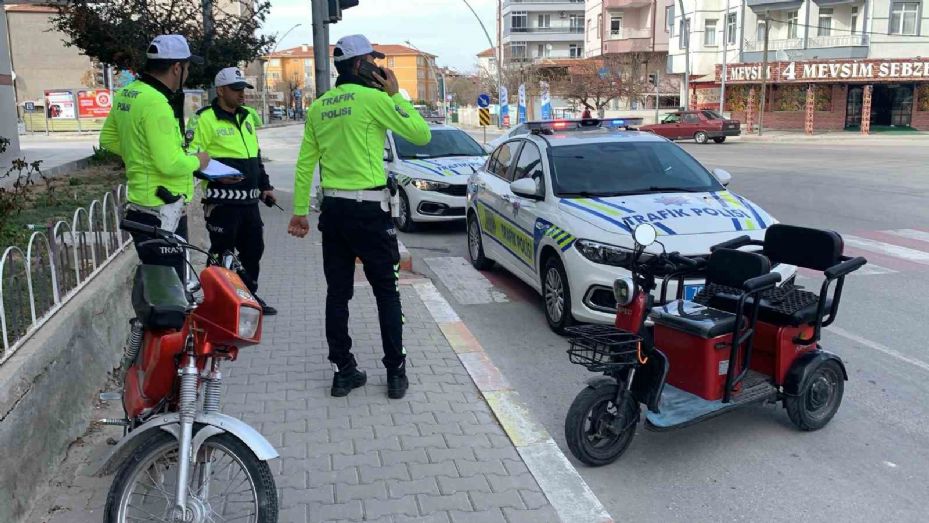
(226, 130)
(345, 133)
(145, 128)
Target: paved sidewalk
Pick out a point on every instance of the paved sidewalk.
(437, 455)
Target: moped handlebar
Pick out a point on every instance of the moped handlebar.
(676, 258)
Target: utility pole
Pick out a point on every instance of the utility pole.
(764, 75)
(321, 45)
(685, 33)
(207, 7)
(722, 85)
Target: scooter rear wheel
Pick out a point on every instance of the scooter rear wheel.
(596, 432)
(240, 487)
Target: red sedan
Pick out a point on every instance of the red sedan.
(701, 126)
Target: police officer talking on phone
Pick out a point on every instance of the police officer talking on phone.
(345, 133)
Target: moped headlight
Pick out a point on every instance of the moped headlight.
(249, 317)
(623, 291)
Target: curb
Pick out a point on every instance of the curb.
(564, 487)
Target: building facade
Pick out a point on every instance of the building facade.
(542, 29)
(830, 65)
(41, 63)
(292, 69)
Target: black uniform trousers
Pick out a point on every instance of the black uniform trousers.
(237, 228)
(159, 254)
(350, 230)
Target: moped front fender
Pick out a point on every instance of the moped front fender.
(205, 426)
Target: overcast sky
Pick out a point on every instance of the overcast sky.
(442, 27)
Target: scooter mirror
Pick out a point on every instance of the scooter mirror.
(645, 234)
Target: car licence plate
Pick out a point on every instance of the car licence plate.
(691, 291)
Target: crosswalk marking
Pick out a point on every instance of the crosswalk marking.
(889, 249)
(912, 234)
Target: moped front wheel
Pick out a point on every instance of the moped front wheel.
(599, 428)
(227, 483)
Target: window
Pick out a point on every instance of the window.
(545, 21)
(275, 62)
(691, 118)
(709, 33)
(825, 21)
(792, 24)
(685, 33)
(616, 26)
(529, 165)
(543, 51)
(518, 50)
(672, 118)
(391, 62)
(903, 18)
(669, 19)
(731, 20)
(854, 23)
(519, 21)
(500, 162)
(574, 51)
(444, 144)
(759, 36)
(626, 167)
(577, 23)
(600, 25)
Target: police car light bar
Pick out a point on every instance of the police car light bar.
(550, 126)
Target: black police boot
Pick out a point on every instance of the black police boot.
(266, 309)
(344, 381)
(397, 382)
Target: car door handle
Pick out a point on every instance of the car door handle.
(507, 198)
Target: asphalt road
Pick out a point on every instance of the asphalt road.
(871, 463)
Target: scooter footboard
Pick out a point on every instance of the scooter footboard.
(205, 426)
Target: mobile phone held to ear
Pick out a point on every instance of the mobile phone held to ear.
(367, 70)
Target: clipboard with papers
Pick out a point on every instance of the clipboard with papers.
(216, 170)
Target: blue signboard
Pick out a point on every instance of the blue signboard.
(483, 100)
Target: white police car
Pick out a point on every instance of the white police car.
(433, 178)
(557, 207)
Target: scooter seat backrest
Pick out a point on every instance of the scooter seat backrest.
(804, 247)
(732, 268)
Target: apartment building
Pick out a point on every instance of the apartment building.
(632, 35)
(840, 64)
(293, 69)
(542, 29)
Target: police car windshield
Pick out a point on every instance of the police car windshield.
(622, 168)
(451, 142)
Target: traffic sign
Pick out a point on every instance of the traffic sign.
(484, 116)
(29, 106)
(483, 100)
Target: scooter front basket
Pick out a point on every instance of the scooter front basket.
(603, 347)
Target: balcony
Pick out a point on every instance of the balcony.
(760, 6)
(631, 45)
(545, 6)
(545, 30)
(625, 4)
(823, 47)
(579, 3)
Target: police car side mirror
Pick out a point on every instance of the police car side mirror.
(723, 176)
(388, 156)
(527, 188)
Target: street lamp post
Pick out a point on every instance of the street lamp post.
(264, 73)
(499, 50)
(436, 76)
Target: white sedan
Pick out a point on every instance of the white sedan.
(557, 210)
(433, 178)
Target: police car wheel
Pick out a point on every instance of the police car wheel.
(404, 221)
(476, 246)
(701, 137)
(557, 295)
